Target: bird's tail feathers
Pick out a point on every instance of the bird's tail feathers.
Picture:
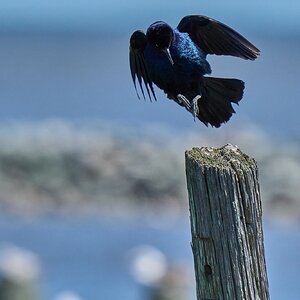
(214, 106)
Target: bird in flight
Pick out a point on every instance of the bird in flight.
(175, 61)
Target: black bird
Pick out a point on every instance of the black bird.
(175, 60)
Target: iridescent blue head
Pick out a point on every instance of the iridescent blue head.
(161, 35)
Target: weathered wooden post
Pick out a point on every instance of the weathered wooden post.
(226, 225)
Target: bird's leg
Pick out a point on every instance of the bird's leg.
(191, 107)
(195, 109)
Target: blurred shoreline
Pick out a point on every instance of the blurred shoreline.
(57, 166)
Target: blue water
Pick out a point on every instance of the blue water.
(115, 16)
(90, 255)
(84, 77)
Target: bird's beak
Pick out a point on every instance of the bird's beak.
(167, 52)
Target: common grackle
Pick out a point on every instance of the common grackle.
(175, 60)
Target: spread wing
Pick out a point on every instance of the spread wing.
(213, 37)
(138, 67)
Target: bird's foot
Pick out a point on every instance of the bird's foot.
(183, 101)
(195, 108)
(191, 107)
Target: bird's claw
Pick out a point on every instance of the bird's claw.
(182, 100)
(193, 109)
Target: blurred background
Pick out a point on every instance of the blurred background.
(93, 198)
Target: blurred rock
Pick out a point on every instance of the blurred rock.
(148, 264)
(174, 285)
(67, 295)
(19, 273)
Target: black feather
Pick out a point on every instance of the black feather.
(214, 37)
(215, 104)
(138, 66)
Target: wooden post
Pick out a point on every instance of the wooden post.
(226, 225)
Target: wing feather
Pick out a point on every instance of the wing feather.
(138, 66)
(214, 37)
